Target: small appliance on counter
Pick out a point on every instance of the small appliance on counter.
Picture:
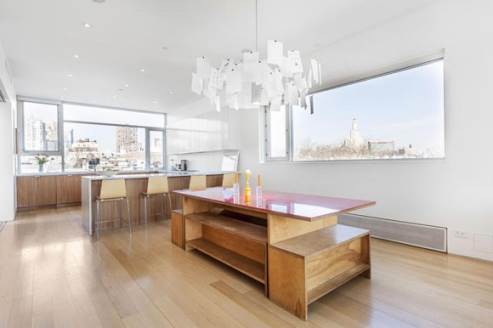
(182, 166)
(93, 163)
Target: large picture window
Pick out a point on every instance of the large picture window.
(118, 148)
(397, 115)
(117, 139)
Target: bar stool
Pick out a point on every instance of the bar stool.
(113, 190)
(156, 186)
(198, 182)
(229, 180)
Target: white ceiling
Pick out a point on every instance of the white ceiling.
(42, 37)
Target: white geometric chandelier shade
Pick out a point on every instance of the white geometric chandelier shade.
(275, 81)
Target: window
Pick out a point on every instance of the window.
(276, 134)
(40, 126)
(119, 148)
(118, 139)
(397, 115)
(156, 144)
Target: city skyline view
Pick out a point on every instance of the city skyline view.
(402, 112)
(117, 147)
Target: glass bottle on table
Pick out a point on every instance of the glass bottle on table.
(259, 191)
(236, 189)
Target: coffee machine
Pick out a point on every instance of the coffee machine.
(182, 166)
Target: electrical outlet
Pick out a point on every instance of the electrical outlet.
(483, 243)
(462, 235)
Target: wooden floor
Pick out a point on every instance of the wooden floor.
(53, 275)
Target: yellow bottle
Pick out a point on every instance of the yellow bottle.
(248, 190)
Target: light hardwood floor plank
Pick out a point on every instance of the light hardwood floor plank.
(53, 274)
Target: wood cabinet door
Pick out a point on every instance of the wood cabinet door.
(68, 189)
(26, 192)
(46, 193)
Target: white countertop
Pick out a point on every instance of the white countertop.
(38, 174)
(42, 174)
(147, 175)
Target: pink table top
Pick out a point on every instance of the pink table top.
(299, 206)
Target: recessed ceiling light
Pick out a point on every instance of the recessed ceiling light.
(65, 89)
(70, 75)
(76, 56)
(126, 85)
(171, 92)
(87, 25)
(142, 70)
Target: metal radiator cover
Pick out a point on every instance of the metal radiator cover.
(420, 235)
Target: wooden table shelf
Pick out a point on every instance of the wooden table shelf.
(233, 226)
(241, 263)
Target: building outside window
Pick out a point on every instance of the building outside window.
(116, 147)
(40, 122)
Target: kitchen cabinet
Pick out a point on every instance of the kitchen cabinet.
(46, 190)
(51, 190)
(35, 191)
(68, 189)
(26, 192)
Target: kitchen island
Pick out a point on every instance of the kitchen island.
(136, 184)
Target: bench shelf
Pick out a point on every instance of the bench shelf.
(241, 263)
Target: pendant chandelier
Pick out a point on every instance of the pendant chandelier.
(251, 82)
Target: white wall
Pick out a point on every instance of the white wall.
(456, 192)
(7, 114)
(6, 164)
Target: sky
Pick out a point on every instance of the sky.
(406, 107)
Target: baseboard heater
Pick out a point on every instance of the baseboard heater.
(420, 235)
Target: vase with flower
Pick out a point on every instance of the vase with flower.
(41, 160)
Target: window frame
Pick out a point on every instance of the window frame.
(20, 118)
(148, 147)
(267, 143)
(381, 73)
(61, 132)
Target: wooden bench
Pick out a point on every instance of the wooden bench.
(305, 268)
